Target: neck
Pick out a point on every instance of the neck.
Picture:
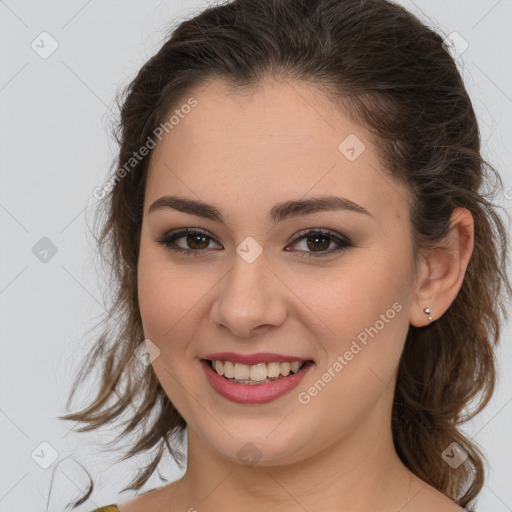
(356, 472)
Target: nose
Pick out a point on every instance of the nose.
(251, 299)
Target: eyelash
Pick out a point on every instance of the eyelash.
(343, 242)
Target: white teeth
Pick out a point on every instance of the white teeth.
(294, 367)
(256, 372)
(285, 369)
(218, 367)
(229, 369)
(241, 371)
(273, 369)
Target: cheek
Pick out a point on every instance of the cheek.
(354, 297)
(163, 298)
(367, 316)
(364, 306)
(172, 300)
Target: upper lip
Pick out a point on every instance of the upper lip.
(250, 359)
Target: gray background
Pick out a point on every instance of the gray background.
(56, 148)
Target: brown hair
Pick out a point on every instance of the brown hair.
(393, 75)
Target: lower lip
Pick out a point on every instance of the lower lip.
(253, 393)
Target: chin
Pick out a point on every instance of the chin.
(261, 447)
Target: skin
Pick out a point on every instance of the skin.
(244, 152)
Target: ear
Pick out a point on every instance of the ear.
(442, 270)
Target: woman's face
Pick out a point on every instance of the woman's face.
(250, 283)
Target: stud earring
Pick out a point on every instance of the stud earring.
(427, 312)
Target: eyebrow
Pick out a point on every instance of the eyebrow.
(278, 213)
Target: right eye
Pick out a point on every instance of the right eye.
(196, 239)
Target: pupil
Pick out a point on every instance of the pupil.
(194, 238)
(316, 238)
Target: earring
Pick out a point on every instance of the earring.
(427, 312)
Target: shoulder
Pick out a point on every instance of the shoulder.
(428, 498)
(160, 498)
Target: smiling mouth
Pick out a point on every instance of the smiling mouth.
(261, 373)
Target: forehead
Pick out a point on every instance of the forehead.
(270, 119)
(278, 141)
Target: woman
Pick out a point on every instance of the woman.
(304, 253)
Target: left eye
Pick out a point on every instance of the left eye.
(198, 241)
